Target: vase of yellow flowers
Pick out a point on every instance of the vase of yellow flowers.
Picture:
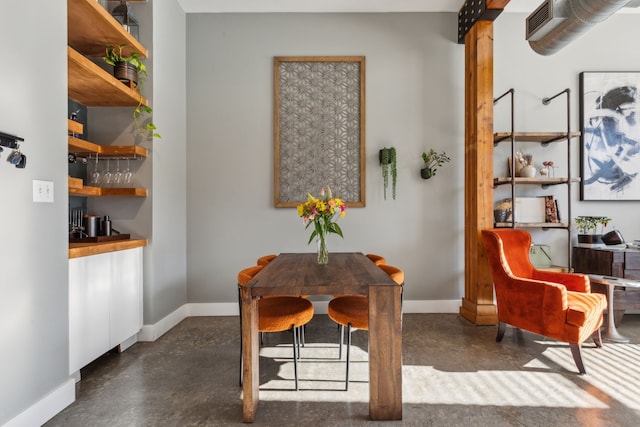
(321, 211)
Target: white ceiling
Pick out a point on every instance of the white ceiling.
(228, 6)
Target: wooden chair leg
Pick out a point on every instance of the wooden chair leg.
(597, 338)
(577, 357)
(502, 327)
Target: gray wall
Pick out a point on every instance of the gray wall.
(33, 238)
(414, 101)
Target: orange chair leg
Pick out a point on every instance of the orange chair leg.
(577, 357)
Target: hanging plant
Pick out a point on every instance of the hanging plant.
(388, 163)
(131, 71)
(432, 161)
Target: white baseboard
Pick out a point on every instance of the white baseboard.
(155, 331)
(47, 407)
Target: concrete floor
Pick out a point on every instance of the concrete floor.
(454, 374)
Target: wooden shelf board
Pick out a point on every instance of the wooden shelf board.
(77, 250)
(100, 191)
(542, 137)
(92, 86)
(538, 181)
(531, 225)
(75, 127)
(75, 183)
(80, 146)
(91, 28)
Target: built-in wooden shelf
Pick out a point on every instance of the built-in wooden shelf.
(108, 191)
(75, 182)
(82, 147)
(542, 137)
(540, 181)
(92, 86)
(91, 28)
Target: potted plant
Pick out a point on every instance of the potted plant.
(388, 162)
(591, 228)
(131, 71)
(432, 161)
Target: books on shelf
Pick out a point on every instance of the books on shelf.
(551, 209)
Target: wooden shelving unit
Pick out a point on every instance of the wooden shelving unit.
(542, 138)
(91, 28)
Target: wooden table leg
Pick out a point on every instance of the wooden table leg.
(250, 356)
(385, 352)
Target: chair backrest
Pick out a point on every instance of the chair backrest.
(377, 259)
(396, 274)
(247, 274)
(266, 259)
(507, 251)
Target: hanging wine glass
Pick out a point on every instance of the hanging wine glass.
(128, 175)
(95, 176)
(107, 176)
(118, 176)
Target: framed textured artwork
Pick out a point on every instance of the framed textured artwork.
(610, 135)
(319, 128)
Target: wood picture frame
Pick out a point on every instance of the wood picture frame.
(319, 128)
(610, 135)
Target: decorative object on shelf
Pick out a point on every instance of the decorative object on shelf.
(502, 211)
(320, 211)
(432, 161)
(524, 165)
(388, 161)
(123, 15)
(319, 125)
(610, 163)
(131, 71)
(591, 228)
(547, 169)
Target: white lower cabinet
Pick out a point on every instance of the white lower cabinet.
(105, 303)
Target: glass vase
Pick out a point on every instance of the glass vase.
(323, 252)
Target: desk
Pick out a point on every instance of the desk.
(346, 273)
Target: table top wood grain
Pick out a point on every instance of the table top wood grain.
(299, 274)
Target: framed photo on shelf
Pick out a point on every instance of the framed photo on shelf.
(319, 128)
(610, 135)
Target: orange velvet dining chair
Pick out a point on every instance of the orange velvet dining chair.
(352, 311)
(277, 314)
(377, 259)
(556, 305)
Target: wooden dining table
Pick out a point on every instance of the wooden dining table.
(346, 273)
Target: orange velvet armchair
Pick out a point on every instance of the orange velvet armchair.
(554, 304)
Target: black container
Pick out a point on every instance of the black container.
(91, 225)
(106, 226)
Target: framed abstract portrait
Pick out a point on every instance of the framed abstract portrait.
(319, 128)
(610, 135)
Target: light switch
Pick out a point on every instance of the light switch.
(42, 191)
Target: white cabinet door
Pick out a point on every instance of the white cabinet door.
(105, 303)
(89, 287)
(126, 295)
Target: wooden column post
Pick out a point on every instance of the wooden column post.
(478, 305)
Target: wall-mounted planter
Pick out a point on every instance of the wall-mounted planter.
(426, 173)
(388, 160)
